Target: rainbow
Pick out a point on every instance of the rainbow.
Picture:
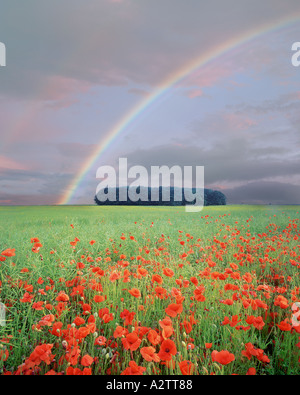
(164, 87)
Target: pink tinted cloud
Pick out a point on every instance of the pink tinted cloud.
(207, 76)
(63, 91)
(194, 93)
(10, 164)
(238, 122)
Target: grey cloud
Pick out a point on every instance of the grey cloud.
(19, 175)
(264, 193)
(40, 182)
(233, 161)
(75, 150)
(27, 199)
(139, 92)
(99, 42)
(283, 104)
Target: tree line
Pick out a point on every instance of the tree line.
(103, 197)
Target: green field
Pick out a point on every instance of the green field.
(227, 278)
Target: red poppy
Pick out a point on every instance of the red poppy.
(154, 337)
(167, 349)
(135, 292)
(174, 309)
(87, 360)
(133, 369)
(9, 252)
(131, 341)
(149, 355)
(186, 367)
(224, 357)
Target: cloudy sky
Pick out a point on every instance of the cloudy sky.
(74, 69)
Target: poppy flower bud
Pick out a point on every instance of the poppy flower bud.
(64, 344)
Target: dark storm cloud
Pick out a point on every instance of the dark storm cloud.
(223, 165)
(264, 193)
(233, 161)
(19, 175)
(40, 182)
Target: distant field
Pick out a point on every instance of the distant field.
(152, 290)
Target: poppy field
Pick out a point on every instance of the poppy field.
(153, 291)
